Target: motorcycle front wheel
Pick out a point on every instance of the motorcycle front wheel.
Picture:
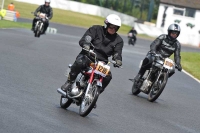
(37, 31)
(135, 89)
(65, 102)
(89, 100)
(158, 87)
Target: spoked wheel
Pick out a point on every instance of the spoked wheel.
(37, 31)
(135, 88)
(65, 102)
(158, 87)
(89, 100)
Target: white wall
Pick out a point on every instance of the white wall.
(188, 35)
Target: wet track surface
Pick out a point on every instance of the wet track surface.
(31, 70)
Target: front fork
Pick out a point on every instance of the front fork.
(99, 82)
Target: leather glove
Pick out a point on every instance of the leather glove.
(86, 46)
(118, 63)
(179, 67)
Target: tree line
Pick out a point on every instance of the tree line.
(136, 8)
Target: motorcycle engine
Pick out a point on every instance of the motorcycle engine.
(146, 84)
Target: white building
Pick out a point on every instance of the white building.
(186, 13)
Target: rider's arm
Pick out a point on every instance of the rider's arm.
(37, 10)
(91, 32)
(177, 56)
(51, 13)
(135, 32)
(118, 49)
(156, 43)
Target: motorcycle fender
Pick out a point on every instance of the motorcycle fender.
(99, 83)
(140, 65)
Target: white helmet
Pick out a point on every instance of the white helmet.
(112, 19)
(48, 1)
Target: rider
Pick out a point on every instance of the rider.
(165, 45)
(134, 33)
(107, 43)
(46, 8)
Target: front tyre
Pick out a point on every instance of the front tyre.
(135, 88)
(158, 87)
(89, 100)
(65, 102)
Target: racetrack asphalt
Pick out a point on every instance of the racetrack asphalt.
(31, 70)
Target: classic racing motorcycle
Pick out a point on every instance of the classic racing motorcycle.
(131, 40)
(154, 80)
(88, 84)
(39, 26)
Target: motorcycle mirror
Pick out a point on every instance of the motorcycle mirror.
(88, 39)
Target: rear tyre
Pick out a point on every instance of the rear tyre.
(88, 102)
(158, 87)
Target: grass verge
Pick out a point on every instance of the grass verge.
(191, 63)
(67, 17)
(11, 24)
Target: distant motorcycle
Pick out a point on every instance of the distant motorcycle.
(86, 89)
(39, 26)
(131, 40)
(154, 80)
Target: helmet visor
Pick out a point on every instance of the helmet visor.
(174, 34)
(113, 27)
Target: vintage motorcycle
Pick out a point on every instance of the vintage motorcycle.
(39, 26)
(154, 80)
(131, 40)
(87, 87)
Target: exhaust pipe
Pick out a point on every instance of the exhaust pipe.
(59, 90)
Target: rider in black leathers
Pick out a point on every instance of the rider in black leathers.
(165, 45)
(46, 8)
(134, 33)
(107, 43)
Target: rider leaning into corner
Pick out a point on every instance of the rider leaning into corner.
(46, 8)
(165, 45)
(106, 42)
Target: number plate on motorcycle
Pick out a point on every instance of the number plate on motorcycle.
(168, 63)
(102, 69)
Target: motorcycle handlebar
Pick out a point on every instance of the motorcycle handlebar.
(114, 62)
(93, 53)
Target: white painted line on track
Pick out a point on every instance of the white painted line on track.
(191, 76)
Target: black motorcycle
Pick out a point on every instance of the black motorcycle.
(39, 26)
(154, 80)
(131, 40)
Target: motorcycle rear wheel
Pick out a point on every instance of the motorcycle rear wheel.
(89, 101)
(65, 102)
(156, 90)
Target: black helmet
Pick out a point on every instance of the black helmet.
(174, 28)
